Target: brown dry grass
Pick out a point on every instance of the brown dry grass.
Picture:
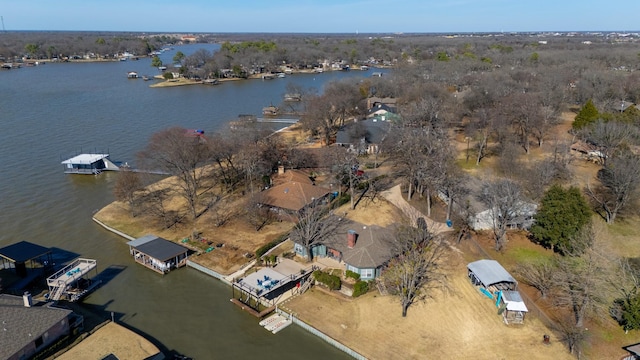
(461, 323)
(112, 339)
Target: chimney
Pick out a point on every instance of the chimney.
(26, 298)
(280, 169)
(351, 238)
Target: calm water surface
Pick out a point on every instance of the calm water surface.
(53, 111)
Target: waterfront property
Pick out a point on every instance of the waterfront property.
(363, 249)
(265, 287)
(293, 190)
(29, 327)
(363, 137)
(73, 281)
(91, 164)
(158, 254)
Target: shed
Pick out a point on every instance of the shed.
(158, 254)
(512, 307)
(490, 275)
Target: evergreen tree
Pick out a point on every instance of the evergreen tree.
(586, 116)
(561, 217)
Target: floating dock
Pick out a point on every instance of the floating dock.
(275, 323)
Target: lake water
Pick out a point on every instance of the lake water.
(54, 111)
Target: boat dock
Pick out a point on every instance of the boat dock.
(275, 323)
(277, 120)
(72, 280)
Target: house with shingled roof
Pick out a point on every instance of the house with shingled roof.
(28, 327)
(363, 249)
(292, 191)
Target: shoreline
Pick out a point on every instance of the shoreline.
(224, 279)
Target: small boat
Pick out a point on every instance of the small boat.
(364, 68)
(292, 97)
(281, 75)
(132, 75)
(162, 68)
(270, 111)
(145, 78)
(268, 77)
(210, 81)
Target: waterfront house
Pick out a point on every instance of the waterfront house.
(363, 249)
(363, 137)
(158, 254)
(292, 191)
(29, 327)
(88, 164)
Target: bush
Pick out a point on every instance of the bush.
(264, 248)
(331, 281)
(360, 288)
(353, 275)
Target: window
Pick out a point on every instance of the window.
(366, 273)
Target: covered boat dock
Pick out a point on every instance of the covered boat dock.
(91, 164)
(18, 255)
(158, 254)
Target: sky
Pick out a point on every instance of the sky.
(327, 16)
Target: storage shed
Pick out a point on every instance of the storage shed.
(512, 307)
(491, 275)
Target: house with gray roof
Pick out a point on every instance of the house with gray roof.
(28, 327)
(363, 249)
(363, 136)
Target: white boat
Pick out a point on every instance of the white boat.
(281, 75)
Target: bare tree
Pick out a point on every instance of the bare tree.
(183, 155)
(539, 275)
(126, 187)
(417, 269)
(619, 180)
(504, 199)
(257, 214)
(582, 284)
(314, 224)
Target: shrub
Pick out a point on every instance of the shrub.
(353, 275)
(266, 247)
(360, 288)
(331, 281)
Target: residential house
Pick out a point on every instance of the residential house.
(292, 191)
(363, 137)
(28, 327)
(477, 213)
(363, 249)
